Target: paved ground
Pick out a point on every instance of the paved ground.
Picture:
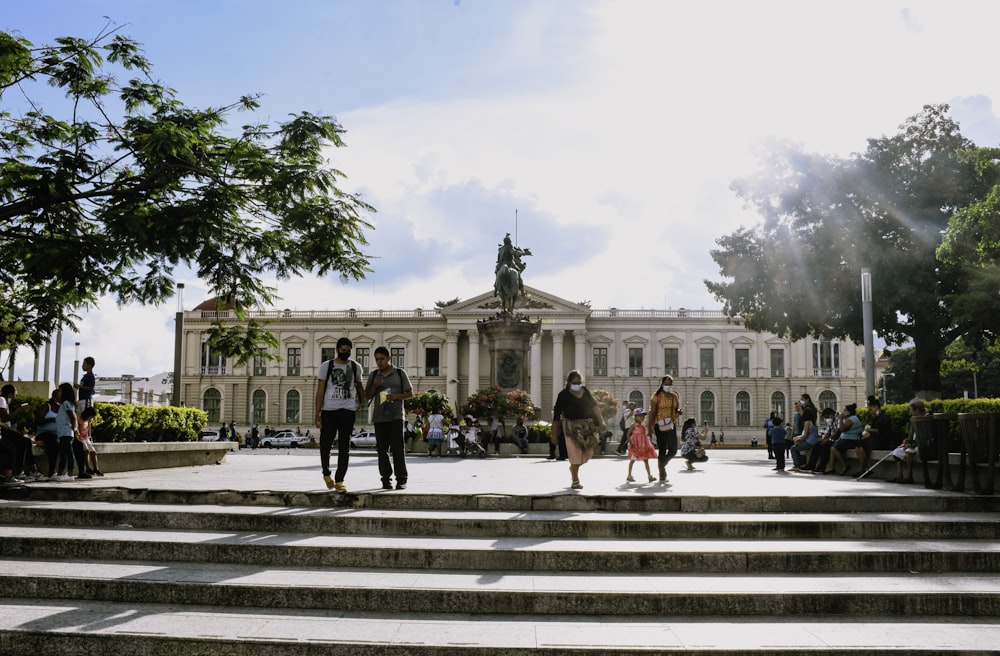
(729, 472)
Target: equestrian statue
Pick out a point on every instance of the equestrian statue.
(509, 286)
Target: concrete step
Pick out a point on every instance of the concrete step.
(504, 554)
(30, 627)
(515, 593)
(653, 499)
(547, 524)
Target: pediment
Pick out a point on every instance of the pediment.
(536, 303)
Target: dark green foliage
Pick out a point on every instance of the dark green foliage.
(824, 219)
(135, 423)
(110, 189)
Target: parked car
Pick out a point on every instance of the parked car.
(284, 439)
(363, 440)
(209, 436)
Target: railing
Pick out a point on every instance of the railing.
(317, 314)
(421, 313)
(213, 371)
(826, 373)
(658, 314)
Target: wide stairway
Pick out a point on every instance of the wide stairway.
(117, 572)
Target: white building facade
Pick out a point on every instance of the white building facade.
(729, 376)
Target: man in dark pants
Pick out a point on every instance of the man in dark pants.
(388, 387)
(339, 394)
(664, 413)
(625, 424)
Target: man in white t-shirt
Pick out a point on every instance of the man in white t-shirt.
(339, 395)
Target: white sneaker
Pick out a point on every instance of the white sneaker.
(12, 481)
(66, 477)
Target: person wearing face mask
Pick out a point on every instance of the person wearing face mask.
(577, 418)
(664, 413)
(339, 394)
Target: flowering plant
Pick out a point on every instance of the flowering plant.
(494, 402)
(606, 402)
(429, 403)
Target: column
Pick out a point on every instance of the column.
(558, 373)
(536, 369)
(451, 366)
(580, 351)
(473, 361)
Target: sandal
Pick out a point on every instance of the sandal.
(576, 485)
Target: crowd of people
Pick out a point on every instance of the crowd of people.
(816, 442)
(61, 428)
(820, 442)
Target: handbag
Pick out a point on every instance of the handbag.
(582, 432)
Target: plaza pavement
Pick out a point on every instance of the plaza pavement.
(728, 473)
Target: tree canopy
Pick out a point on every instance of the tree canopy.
(824, 219)
(111, 183)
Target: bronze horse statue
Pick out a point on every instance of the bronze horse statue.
(507, 287)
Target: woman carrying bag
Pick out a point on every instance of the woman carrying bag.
(664, 413)
(577, 418)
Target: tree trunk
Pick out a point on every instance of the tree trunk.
(927, 351)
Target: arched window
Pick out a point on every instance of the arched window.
(292, 409)
(259, 407)
(778, 406)
(827, 399)
(742, 408)
(707, 407)
(638, 398)
(211, 402)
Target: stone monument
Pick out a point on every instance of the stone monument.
(509, 331)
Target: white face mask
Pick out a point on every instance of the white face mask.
(576, 387)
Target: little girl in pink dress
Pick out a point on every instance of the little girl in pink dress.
(640, 447)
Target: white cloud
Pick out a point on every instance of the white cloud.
(616, 149)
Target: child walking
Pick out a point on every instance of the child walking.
(640, 447)
(692, 442)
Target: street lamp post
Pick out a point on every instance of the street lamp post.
(867, 325)
(76, 363)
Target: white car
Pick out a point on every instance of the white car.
(363, 440)
(209, 436)
(284, 439)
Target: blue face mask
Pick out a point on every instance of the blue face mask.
(576, 387)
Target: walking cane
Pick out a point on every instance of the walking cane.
(874, 466)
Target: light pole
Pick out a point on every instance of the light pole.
(76, 363)
(866, 319)
(175, 394)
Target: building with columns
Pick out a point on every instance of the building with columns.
(727, 375)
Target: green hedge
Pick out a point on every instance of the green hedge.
(131, 423)
(899, 413)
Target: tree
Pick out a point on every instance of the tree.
(114, 184)
(972, 242)
(798, 273)
(961, 359)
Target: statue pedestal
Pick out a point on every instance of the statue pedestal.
(510, 341)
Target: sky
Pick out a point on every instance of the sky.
(603, 135)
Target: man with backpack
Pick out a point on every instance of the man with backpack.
(339, 395)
